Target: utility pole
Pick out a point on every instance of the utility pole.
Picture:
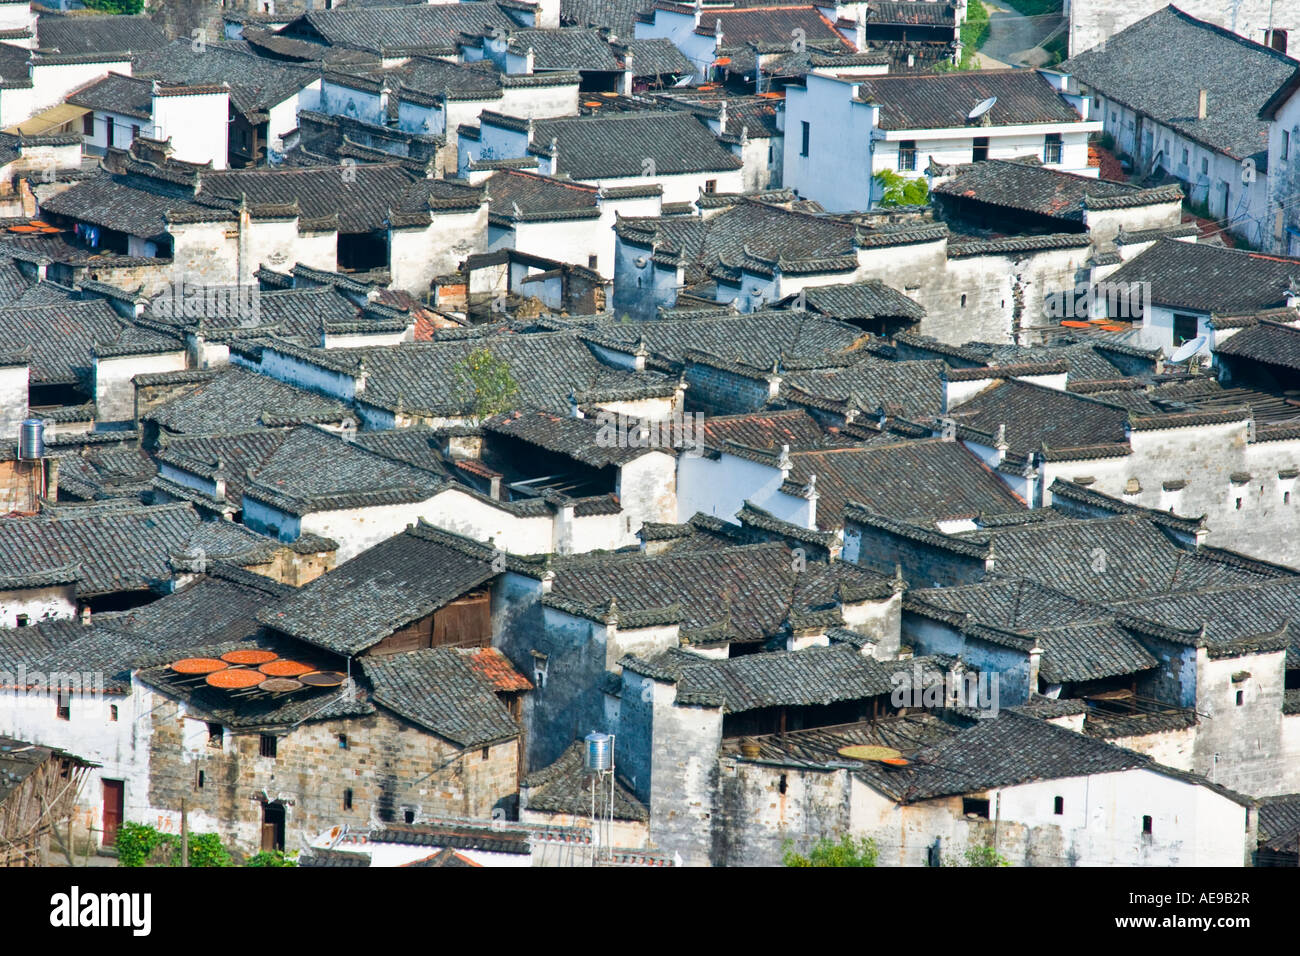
(185, 836)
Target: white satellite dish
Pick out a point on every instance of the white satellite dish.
(983, 108)
(1189, 348)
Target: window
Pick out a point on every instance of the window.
(1058, 806)
(408, 816)
(347, 799)
(980, 150)
(88, 124)
(63, 709)
(112, 712)
(1286, 497)
(907, 154)
(1146, 828)
(198, 782)
(963, 300)
(975, 808)
(1052, 146)
(781, 785)
(215, 735)
(23, 620)
(267, 745)
(1286, 143)
(1205, 166)
(592, 261)
(1238, 504)
(1276, 39)
(343, 741)
(484, 754)
(805, 129)
(1184, 157)
(710, 185)
(1184, 328)
(1241, 697)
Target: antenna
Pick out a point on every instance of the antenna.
(982, 108)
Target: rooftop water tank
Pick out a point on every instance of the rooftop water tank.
(599, 752)
(31, 439)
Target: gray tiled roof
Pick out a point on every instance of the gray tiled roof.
(434, 27)
(525, 196)
(570, 48)
(381, 590)
(117, 93)
(317, 470)
(618, 145)
(863, 300)
(565, 787)
(1140, 559)
(914, 387)
(256, 83)
(618, 15)
(943, 100)
(1037, 416)
(812, 676)
(97, 34)
(750, 590)
(656, 56)
(1270, 343)
(123, 548)
(1037, 189)
(919, 481)
(235, 400)
(1240, 76)
(64, 337)
(439, 690)
(1210, 278)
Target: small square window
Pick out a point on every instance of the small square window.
(23, 620)
(267, 745)
(710, 185)
(484, 754)
(973, 807)
(408, 816)
(343, 741)
(215, 734)
(1058, 807)
(592, 261)
(907, 154)
(1146, 827)
(88, 125)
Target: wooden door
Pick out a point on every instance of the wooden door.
(114, 808)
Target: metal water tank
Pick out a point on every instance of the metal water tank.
(31, 439)
(599, 752)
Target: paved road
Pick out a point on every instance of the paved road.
(1014, 38)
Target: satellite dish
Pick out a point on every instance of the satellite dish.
(1190, 348)
(983, 108)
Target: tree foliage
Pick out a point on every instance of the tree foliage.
(485, 384)
(897, 190)
(139, 844)
(116, 6)
(272, 858)
(848, 850)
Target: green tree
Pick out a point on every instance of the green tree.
(484, 384)
(848, 850)
(897, 190)
(116, 6)
(139, 844)
(979, 856)
(272, 858)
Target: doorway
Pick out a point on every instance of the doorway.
(273, 826)
(114, 809)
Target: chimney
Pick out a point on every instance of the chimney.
(1202, 104)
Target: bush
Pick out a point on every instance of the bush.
(848, 850)
(116, 6)
(272, 858)
(898, 190)
(139, 844)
